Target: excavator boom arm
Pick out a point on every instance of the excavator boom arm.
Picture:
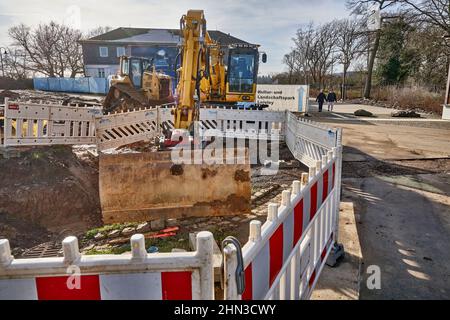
(193, 29)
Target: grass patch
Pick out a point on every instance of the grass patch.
(410, 98)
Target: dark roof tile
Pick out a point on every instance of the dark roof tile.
(123, 33)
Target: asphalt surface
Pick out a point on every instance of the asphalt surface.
(398, 179)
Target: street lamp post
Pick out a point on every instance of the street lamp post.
(1, 59)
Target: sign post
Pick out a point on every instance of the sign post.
(446, 107)
(447, 96)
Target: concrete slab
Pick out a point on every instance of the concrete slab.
(342, 281)
(402, 206)
(404, 229)
(394, 142)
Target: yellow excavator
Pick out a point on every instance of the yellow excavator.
(147, 186)
(137, 84)
(217, 77)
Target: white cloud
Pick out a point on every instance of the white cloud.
(271, 24)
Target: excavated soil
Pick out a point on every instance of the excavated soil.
(46, 193)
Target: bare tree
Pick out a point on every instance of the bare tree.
(51, 49)
(304, 42)
(435, 12)
(289, 61)
(97, 31)
(324, 51)
(313, 52)
(15, 64)
(351, 43)
(361, 7)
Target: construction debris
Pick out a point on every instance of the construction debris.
(405, 114)
(363, 113)
(37, 96)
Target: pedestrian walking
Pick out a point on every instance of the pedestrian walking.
(331, 98)
(321, 99)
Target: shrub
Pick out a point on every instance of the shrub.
(410, 98)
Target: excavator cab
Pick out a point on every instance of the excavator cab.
(242, 73)
(134, 67)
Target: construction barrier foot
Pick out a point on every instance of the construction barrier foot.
(335, 255)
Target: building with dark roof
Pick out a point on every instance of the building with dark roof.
(101, 53)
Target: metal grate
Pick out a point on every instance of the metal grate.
(43, 250)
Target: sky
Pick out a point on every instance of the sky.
(269, 23)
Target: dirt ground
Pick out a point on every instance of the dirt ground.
(46, 193)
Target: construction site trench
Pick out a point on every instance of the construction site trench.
(49, 192)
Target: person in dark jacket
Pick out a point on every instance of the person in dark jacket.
(321, 99)
(332, 98)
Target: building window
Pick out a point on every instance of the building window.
(101, 72)
(120, 51)
(103, 52)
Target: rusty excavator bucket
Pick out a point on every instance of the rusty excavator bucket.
(138, 187)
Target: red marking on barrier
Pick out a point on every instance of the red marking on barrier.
(334, 174)
(55, 288)
(324, 253)
(276, 253)
(325, 186)
(313, 202)
(248, 292)
(176, 285)
(13, 106)
(298, 222)
(311, 280)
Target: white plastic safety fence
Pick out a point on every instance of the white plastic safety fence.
(118, 129)
(48, 124)
(245, 124)
(308, 140)
(140, 276)
(284, 257)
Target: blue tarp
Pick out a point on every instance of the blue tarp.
(40, 84)
(75, 85)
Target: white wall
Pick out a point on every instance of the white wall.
(91, 70)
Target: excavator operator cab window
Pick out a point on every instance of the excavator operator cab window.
(125, 67)
(136, 72)
(241, 72)
(146, 65)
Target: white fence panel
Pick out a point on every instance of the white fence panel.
(140, 276)
(118, 129)
(307, 140)
(248, 124)
(47, 124)
(284, 257)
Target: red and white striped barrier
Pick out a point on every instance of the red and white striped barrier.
(293, 243)
(140, 276)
